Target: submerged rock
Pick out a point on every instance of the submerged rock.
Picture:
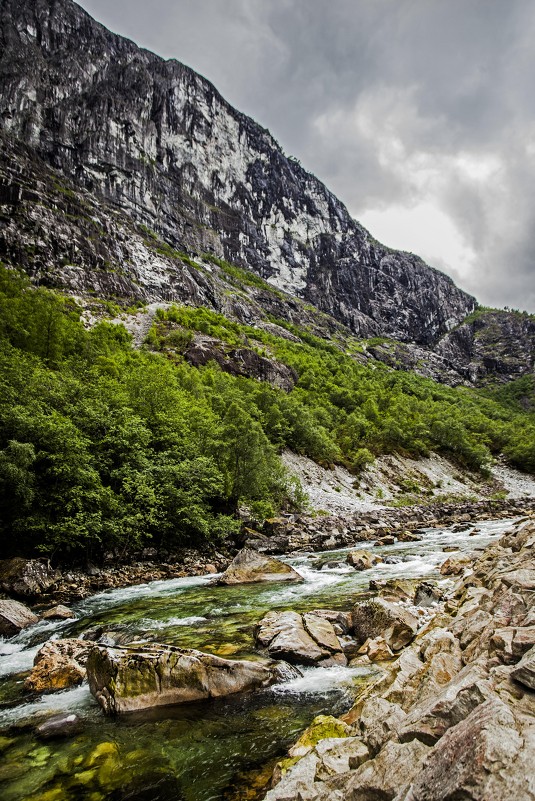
(126, 680)
(249, 567)
(14, 617)
(59, 664)
(64, 725)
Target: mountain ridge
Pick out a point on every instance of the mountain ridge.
(158, 140)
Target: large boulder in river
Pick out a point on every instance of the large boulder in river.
(26, 578)
(127, 679)
(307, 640)
(362, 560)
(379, 618)
(14, 617)
(58, 665)
(249, 566)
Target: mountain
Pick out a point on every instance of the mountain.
(155, 139)
(129, 177)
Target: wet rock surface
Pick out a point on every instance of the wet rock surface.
(126, 680)
(58, 665)
(454, 715)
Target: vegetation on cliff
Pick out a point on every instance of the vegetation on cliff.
(106, 447)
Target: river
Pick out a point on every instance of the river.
(197, 752)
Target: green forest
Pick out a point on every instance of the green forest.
(104, 447)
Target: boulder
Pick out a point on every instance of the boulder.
(394, 589)
(524, 672)
(14, 617)
(26, 578)
(322, 631)
(476, 759)
(427, 594)
(342, 620)
(59, 664)
(127, 679)
(388, 774)
(379, 618)
(455, 565)
(362, 560)
(249, 566)
(284, 636)
(408, 536)
(58, 613)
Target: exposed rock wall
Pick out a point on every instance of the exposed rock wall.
(157, 140)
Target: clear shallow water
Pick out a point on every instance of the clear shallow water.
(194, 752)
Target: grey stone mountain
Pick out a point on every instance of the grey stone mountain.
(127, 176)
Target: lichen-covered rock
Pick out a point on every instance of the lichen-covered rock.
(59, 664)
(379, 618)
(126, 679)
(26, 578)
(14, 617)
(249, 567)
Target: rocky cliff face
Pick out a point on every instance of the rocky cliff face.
(155, 140)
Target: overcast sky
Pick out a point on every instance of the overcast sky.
(418, 114)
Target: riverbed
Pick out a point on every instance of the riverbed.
(195, 752)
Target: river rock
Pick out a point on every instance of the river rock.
(125, 680)
(394, 589)
(379, 618)
(58, 726)
(58, 613)
(285, 637)
(14, 617)
(249, 566)
(427, 594)
(455, 565)
(362, 560)
(59, 664)
(524, 672)
(342, 620)
(322, 631)
(26, 578)
(408, 536)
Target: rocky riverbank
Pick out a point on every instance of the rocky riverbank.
(453, 716)
(42, 586)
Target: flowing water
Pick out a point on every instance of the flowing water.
(194, 752)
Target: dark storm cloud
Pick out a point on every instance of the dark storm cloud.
(409, 110)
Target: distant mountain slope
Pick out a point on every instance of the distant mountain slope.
(155, 139)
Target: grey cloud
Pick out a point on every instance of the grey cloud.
(382, 99)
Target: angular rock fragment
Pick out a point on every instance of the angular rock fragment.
(59, 664)
(14, 617)
(524, 672)
(379, 618)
